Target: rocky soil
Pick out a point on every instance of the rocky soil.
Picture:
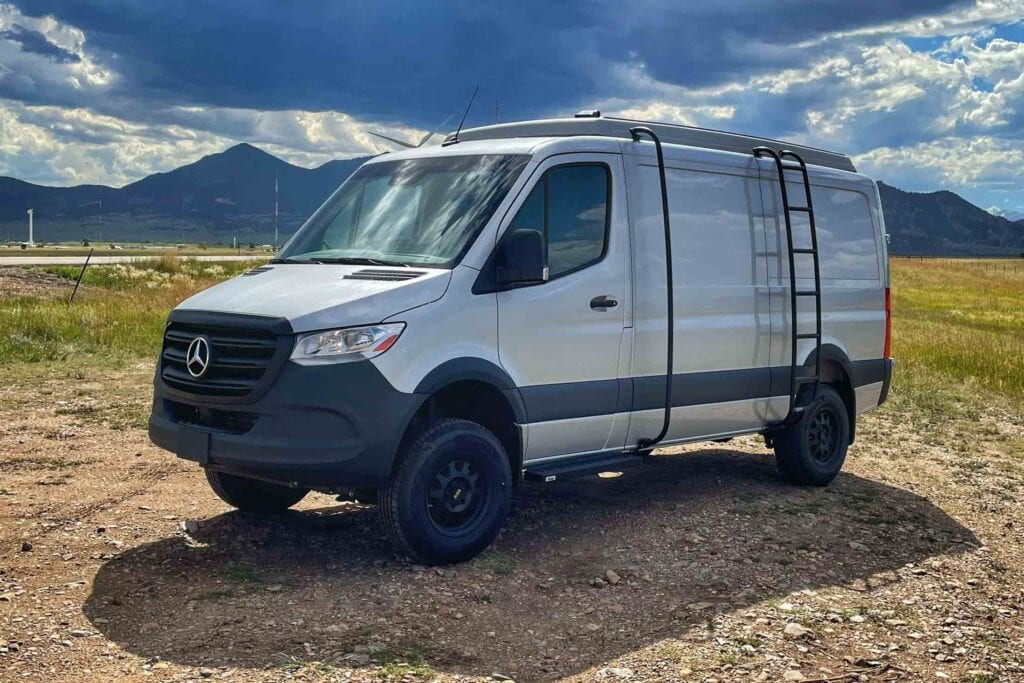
(117, 563)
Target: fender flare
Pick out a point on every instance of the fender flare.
(833, 354)
(478, 370)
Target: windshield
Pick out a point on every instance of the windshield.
(423, 212)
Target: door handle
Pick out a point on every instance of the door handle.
(603, 302)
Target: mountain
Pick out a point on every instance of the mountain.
(221, 196)
(231, 194)
(945, 224)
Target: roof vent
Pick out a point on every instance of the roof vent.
(384, 275)
(587, 114)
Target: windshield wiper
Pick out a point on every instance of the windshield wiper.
(295, 260)
(362, 261)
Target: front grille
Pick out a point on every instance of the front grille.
(384, 275)
(239, 358)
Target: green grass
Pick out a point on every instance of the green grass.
(406, 662)
(120, 316)
(959, 323)
(498, 562)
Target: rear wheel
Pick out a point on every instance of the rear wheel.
(811, 451)
(253, 495)
(450, 495)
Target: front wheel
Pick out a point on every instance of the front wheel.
(253, 495)
(450, 495)
(811, 451)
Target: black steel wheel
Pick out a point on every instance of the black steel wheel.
(457, 497)
(811, 451)
(450, 494)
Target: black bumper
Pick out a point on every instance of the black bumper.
(886, 380)
(321, 426)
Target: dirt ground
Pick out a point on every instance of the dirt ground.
(15, 281)
(118, 563)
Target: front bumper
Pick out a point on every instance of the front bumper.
(323, 426)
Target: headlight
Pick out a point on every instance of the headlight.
(347, 344)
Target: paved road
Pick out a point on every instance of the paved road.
(100, 260)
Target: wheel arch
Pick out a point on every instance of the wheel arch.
(837, 372)
(478, 390)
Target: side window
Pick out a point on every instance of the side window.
(846, 235)
(570, 205)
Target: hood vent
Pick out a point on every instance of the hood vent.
(385, 275)
(256, 271)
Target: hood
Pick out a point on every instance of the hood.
(320, 296)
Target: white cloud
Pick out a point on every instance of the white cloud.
(949, 162)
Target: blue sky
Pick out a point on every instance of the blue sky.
(924, 94)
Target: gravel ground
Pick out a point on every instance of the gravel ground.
(16, 281)
(118, 563)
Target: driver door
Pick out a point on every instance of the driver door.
(561, 341)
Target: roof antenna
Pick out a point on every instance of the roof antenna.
(455, 138)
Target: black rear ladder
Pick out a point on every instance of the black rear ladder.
(795, 380)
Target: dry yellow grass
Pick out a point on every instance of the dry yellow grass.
(962, 320)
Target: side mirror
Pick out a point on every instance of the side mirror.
(522, 257)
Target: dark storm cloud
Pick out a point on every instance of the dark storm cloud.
(33, 41)
(417, 62)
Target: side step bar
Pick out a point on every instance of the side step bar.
(581, 466)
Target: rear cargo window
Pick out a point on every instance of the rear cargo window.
(846, 235)
(714, 230)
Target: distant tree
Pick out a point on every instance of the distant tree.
(85, 242)
(202, 245)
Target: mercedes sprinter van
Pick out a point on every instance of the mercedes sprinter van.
(536, 300)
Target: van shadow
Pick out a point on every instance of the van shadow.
(687, 535)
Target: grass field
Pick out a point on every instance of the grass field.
(961, 322)
(956, 323)
(119, 312)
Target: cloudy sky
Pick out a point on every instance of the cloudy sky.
(924, 94)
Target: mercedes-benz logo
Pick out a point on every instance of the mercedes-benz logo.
(197, 358)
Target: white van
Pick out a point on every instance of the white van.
(457, 318)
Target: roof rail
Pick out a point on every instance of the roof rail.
(674, 134)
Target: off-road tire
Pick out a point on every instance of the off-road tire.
(420, 504)
(800, 452)
(253, 495)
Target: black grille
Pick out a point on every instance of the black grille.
(239, 358)
(384, 275)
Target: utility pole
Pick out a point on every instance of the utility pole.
(275, 214)
(30, 242)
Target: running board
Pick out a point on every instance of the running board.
(581, 466)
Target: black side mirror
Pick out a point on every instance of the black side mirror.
(522, 256)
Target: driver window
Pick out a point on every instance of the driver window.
(569, 204)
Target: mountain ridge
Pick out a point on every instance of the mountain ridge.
(230, 194)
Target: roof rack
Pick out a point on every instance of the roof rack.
(607, 126)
